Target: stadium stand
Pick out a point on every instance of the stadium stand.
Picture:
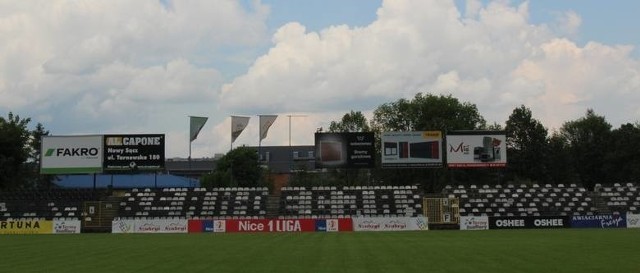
(194, 203)
(339, 202)
(523, 200)
(320, 201)
(45, 204)
(620, 197)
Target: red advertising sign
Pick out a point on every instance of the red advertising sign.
(195, 226)
(345, 224)
(271, 225)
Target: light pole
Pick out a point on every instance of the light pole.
(293, 116)
(290, 148)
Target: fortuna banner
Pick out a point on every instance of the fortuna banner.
(195, 125)
(265, 123)
(237, 126)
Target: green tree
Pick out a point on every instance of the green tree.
(425, 113)
(351, 122)
(588, 138)
(14, 151)
(622, 161)
(526, 146)
(238, 168)
(559, 162)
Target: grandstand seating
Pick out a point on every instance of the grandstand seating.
(522, 200)
(45, 204)
(195, 203)
(620, 197)
(337, 202)
(324, 201)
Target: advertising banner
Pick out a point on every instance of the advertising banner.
(344, 150)
(271, 225)
(529, 222)
(474, 222)
(196, 226)
(123, 226)
(26, 227)
(633, 220)
(200, 226)
(66, 226)
(219, 226)
(389, 223)
(71, 154)
(161, 226)
(599, 221)
(476, 149)
(134, 152)
(411, 149)
(334, 225)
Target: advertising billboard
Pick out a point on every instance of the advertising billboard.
(529, 222)
(344, 150)
(71, 154)
(134, 152)
(420, 149)
(474, 222)
(599, 221)
(390, 223)
(476, 149)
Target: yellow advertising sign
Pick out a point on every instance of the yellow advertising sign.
(26, 227)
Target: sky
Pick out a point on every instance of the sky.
(145, 66)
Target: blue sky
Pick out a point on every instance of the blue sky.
(119, 66)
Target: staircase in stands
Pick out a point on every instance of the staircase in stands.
(273, 206)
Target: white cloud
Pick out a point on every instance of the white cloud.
(120, 66)
(492, 56)
(144, 66)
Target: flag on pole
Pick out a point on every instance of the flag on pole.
(237, 126)
(265, 123)
(195, 125)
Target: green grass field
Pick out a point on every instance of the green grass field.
(571, 250)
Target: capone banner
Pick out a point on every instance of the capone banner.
(133, 152)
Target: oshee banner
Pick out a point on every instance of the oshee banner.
(71, 154)
(344, 150)
(411, 149)
(389, 223)
(472, 149)
(26, 227)
(150, 226)
(599, 221)
(474, 222)
(134, 152)
(533, 222)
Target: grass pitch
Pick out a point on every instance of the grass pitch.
(570, 250)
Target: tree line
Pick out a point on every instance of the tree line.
(20, 154)
(584, 151)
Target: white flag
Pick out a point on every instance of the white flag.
(265, 124)
(237, 126)
(195, 125)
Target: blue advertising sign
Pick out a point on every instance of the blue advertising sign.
(207, 226)
(599, 221)
(321, 225)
